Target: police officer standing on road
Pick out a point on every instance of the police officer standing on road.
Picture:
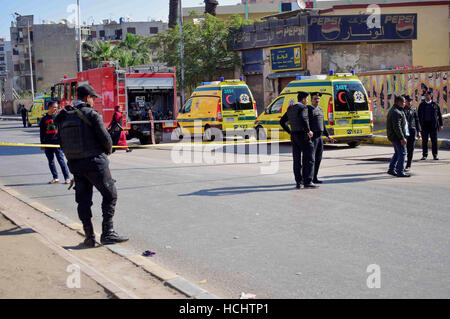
(317, 125)
(297, 115)
(86, 144)
(430, 119)
(397, 133)
(414, 129)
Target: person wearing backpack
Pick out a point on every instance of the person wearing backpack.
(86, 144)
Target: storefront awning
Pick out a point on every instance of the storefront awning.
(290, 74)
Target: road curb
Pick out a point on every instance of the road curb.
(383, 140)
(167, 277)
(10, 118)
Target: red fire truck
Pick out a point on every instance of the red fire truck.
(136, 90)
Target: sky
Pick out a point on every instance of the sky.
(91, 10)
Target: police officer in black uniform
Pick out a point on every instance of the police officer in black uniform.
(414, 129)
(317, 125)
(297, 116)
(430, 119)
(87, 144)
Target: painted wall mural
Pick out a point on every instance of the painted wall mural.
(382, 89)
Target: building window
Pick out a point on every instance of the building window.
(16, 68)
(102, 33)
(2, 58)
(131, 30)
(94, 34)
(1, 48)
(153, 30)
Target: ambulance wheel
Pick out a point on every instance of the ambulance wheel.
(208, 135)
(261, 134)
(354, 144)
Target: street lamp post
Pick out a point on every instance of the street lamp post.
(183, 92)
(79, 39)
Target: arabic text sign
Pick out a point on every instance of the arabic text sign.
(287, 58)
(270, 33)
(355, 28)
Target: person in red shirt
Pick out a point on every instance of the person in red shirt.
(116, 131)
(49, 135)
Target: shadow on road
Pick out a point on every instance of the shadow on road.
(241, 190)
(16, 150)
(356, 178)
(29, 184)
(16, 231)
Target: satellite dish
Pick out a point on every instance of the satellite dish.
(301, 4)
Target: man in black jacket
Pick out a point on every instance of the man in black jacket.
(317, 125)
(430, 119)
(49, 135)
(297, 115)
(86, 144)
(397, 132)
(414, 129)
(24, 113)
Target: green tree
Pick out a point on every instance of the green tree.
(98, 52)
(206, 57)
(132, 51)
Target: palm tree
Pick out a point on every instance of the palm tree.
(98, 52)
(173, 13)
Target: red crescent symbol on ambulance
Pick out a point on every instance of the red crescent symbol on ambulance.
(227, 99)
(340, 97)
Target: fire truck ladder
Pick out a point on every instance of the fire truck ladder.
(122, 93)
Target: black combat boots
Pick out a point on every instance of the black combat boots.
(90, 235)
(109, 236)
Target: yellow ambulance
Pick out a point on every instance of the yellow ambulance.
(38, 109)
(219, 108)
(346, 107)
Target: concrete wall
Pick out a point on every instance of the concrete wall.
(55, 54)
(432, 45)
(361, 57)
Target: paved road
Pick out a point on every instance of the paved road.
(244, 231)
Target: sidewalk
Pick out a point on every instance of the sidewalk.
(29, 269)
(37, 244)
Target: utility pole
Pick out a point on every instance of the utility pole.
(31, 62)
(79, 38)
(183, 91)
(1, 96)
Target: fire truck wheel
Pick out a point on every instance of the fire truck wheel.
(145, 140)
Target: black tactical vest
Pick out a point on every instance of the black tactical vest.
(315, 118)
(297, 115)
(77, 138)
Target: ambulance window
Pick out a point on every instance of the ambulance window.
(187, 107)
(350, 96)
(277, 106)
(236, 98)
(73, 89)
(67, 92)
